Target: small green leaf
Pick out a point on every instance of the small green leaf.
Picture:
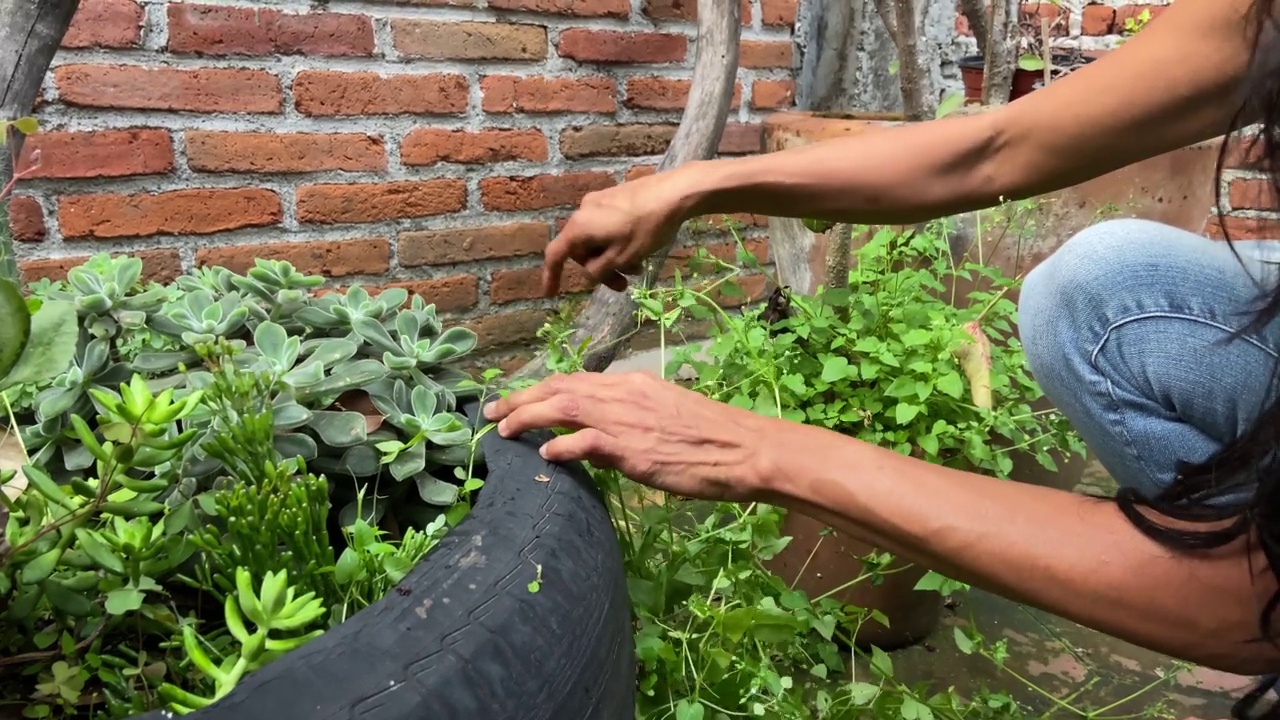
(963, 642)
(348, 568)
(1030, 62)
(949, 104)
(26, 125)
(906, 412)
(15, 327)
(123, 600)
(836, 368)
(40, 568)
(881, 663)
(951, 384)
(690, 710)
(51, 347)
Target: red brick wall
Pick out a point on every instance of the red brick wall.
(427, 143)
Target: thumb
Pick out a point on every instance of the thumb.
(587, 444)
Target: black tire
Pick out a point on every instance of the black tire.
(463, 638)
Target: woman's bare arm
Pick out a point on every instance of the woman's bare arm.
(1074, 556)
(1175, 83)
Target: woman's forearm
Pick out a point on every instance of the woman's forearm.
(1099, 118)
(893, 175)
(1074, 556)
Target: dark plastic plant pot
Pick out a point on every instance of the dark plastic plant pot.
(463, 637)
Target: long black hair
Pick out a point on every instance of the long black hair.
(1248, 466)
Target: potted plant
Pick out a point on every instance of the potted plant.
(241, 496)
(889, 357)
(1037, 63)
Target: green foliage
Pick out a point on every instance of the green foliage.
(877, 359)
(718, 635)
(173, 464)
(344, 361)
(279, 616)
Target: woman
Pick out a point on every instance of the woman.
(1159, 345)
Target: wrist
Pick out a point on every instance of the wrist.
(770, 475)
(705, 187)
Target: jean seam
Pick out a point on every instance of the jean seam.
(1117, 408)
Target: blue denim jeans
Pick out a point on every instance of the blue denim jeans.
(1125, 327)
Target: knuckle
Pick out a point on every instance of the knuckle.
(567, 407)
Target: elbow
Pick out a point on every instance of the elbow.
(996, 164)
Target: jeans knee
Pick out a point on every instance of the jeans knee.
(1062, 297)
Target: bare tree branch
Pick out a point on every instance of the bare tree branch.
(609, 318)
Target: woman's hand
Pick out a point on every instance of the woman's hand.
(614, 230)
(653, 431)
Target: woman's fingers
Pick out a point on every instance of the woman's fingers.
(588, 444)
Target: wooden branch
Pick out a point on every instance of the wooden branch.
(609, 318)
(975, 11)
(30, 33)
(902, 18)
(1001, 52)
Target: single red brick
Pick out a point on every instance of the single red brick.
(540, 192)
(473, 244)
(1097, 20)
(1243, 228)
(741, 139)
(578, 8)
(26, 219)
(687, 10)
(426, 146)
(436, 40)
(100, 153)
(133, 87)
(764, 54)
(284, 152)
(224, 30)
(615, 140)
(327, 93)
(773, 94)
(509, 328)
(659, 93)
(615, 46)
(510, 94)
(682, 258)
(374, 202)
(449, 294)
(526, 283)
(781, 13)
(180, 212)
(162, 265)
(1252, 194)
(105, 24)
(330, 258)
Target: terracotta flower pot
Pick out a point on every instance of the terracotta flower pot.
(821, 563)
(1175, 188)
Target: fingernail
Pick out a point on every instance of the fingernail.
(490, 410)
(542, 451)
(502, 428)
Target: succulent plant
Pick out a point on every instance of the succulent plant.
(355, 373)
(106, 296)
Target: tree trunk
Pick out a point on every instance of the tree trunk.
(609, 319)
(975, 11)
(30, 33)
(1000, 53)
(904, 20)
